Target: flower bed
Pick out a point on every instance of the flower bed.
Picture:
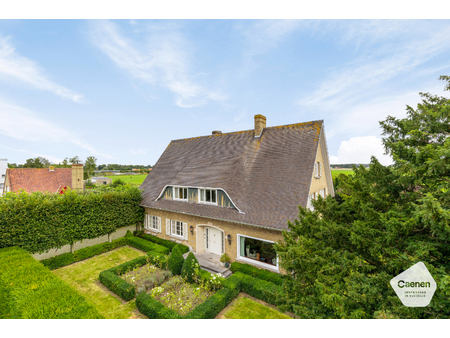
(146, 277)
(180, 296)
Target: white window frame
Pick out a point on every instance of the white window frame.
(309, 204)
(183, 229)
(251, 261)
(152, 221)
(204, 195)
(176, 192)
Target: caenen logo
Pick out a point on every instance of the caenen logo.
(402, 284)
(415, 287)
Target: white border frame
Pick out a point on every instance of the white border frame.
(252, 261)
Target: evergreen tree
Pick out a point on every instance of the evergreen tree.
(342, 255)
(176, 261)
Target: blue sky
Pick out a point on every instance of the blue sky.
(121, 90)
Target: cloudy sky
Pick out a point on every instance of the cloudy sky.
(122, 90)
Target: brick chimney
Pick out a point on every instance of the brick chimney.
(260, 124)
(77, 177)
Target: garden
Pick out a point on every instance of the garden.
(138, 276)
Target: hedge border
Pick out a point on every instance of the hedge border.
(211, 307)
(29, 290)
(146, 246)
(256, 272)
(164, 242)
(68, 258)
(112, 280)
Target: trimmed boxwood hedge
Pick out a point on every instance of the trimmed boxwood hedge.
(153, 309)
(29, 290)
(79, 255)
(259, 288)
(146, 246)
(110, 278)
(163, 242)
(258, 273)
(38, 222)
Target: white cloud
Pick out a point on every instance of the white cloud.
(17, 68)
(23, 124)
(359, 150)
(400, 55)
(162, 60)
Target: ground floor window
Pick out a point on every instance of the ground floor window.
(153, 223)
(177, 228)
(258, 250)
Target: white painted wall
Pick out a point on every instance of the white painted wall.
(3, 166)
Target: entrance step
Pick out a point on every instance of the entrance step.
(211, 263)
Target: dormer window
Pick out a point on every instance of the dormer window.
(180, 193)
(208, 196)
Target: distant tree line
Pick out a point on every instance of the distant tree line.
(122, 166)
(349, 165)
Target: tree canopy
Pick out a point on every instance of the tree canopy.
(385, 219)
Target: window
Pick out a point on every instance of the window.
(153, 223)
(208, 196)
(317, 170)
(258, 251)
(180, 193)
(178, 228)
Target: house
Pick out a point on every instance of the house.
(101, 180)
(234, 192)
(3, 167)
(51, 180)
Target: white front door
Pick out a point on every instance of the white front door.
(215, 241)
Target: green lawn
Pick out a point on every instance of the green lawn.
(335, 172)
(135, 180)
(245, 308)
(83, 276)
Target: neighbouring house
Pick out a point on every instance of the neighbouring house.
(51, 180)
(234, 192)
(101, 180)
(3, 167)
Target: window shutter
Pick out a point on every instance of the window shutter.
(146, 222)
(167, 226)
(173, 229)
(185, 231)
(159, 224)
(318, 169)
(315, 169)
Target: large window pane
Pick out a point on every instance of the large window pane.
(258, 250)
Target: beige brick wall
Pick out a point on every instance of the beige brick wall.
(196, 240)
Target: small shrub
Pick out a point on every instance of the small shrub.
(188, 269)
(225, 258)
(157, 259)
(176, 260)
(258, 273)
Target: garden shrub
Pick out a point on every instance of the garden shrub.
(38, 222)
(29, 290)
(146, 246)
(258, 273)
(79, 255)
(189, 266)
(153, 309)
(163, 242)
(157, 259)
(176, 260)
(110, 278)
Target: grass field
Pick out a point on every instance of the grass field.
(83, 276)
(335, 172)
(135, 180)
(245, 308)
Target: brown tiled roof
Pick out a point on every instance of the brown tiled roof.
(266, 177)
(32, 179)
